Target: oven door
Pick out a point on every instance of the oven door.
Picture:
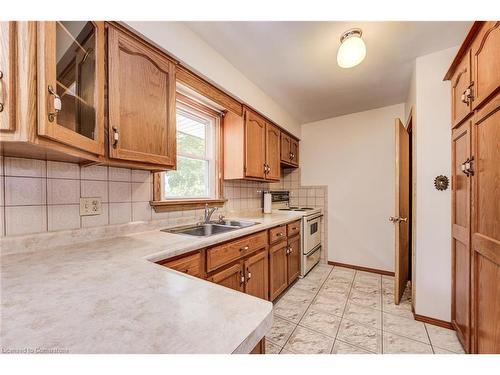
(312, 233)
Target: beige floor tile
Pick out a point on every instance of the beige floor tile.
(364, 315)
(361, 336)
(368, 277)
(298, 295)
(337, 286)
(284, 351)
(444, 338)
(405, 327)
(290, 310)
(306, 341)
(373, 300)
(367, 286)
(403, 309)
(280, 331)
(307, 285)
(395, 344)
(320, 321)
(441, 351)
(343, 271)
(328, 304)
(272, 348)
(341, 347)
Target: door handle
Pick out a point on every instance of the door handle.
(249, 275)
(57, 103)
(242, 278)
(397, 220)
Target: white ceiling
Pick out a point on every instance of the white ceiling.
(295, 62)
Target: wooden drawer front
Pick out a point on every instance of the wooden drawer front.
(189, 264)
(293, 228)
(223, 254)
(277, 234)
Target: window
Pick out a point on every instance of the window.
(195, 177)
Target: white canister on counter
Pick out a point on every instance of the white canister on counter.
(267, 203)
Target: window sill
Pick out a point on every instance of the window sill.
(175, 205)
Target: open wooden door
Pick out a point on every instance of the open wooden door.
(402, 214)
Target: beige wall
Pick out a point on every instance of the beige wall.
(431, 101)
(353, 156)
(180, 41)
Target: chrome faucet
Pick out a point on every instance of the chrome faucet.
(208, 213)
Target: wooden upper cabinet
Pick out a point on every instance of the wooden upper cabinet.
(273, 171)
(255, 145)
(70, 92)
(294, 151)
(460, 83)
(141, 81)
(486, 62)
(285, 148)
(256, 275)
(7, 75)
(289, 150)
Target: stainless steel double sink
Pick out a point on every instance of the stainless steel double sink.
(211, 228)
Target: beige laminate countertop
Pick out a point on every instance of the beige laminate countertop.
(109, 296)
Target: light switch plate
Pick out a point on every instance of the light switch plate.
(90, 206)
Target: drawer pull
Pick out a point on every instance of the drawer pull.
(295, 228)
(244, 248)
(242, 278)
(249, 275)
(279, 234)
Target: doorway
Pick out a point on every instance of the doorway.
(403, 217)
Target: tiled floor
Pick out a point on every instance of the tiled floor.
(338, 310)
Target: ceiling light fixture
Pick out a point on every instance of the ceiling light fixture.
(352, 49)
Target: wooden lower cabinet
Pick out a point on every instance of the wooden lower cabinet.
(293, 259)
(191, 263)
(256, 275)
(248, 275)
(231, 277)
(278, 269)
(260, 348)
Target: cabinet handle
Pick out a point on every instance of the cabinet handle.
(279, 234)
(1, 87)
(468, 166)
(249, 275)
(116, 136)
(57, 103)
(244, 248)
(242, 278)
(465, 167)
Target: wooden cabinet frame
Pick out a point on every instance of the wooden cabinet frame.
(46, 61)
(8, 76)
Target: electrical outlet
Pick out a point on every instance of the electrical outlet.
(90, 206)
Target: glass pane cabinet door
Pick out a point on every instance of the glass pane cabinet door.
(73, 83)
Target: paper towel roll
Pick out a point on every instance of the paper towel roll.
(267, 203)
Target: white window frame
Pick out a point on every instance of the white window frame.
(211, 153)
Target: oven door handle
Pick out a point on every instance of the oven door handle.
(313, 250)
(314, 218)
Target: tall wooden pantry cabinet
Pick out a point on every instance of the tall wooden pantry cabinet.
(475, 112)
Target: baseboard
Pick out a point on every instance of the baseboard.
(361, 268)
(433, 321)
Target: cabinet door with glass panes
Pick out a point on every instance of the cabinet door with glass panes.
(71, 83)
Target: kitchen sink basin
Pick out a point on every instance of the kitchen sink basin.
(210, 229)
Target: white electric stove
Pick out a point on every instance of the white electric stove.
(310, 229)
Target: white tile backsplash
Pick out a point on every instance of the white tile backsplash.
(94, 172)
(93, 188)
(63, 191)
(120, 213)
(141, 176)
(25, 220)
(25, 191)
(25, 167)
(61, 217)
(120, 192)
(63, 170)
(141, 191)
(97, 220)
(141, 211)
(120, 174)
